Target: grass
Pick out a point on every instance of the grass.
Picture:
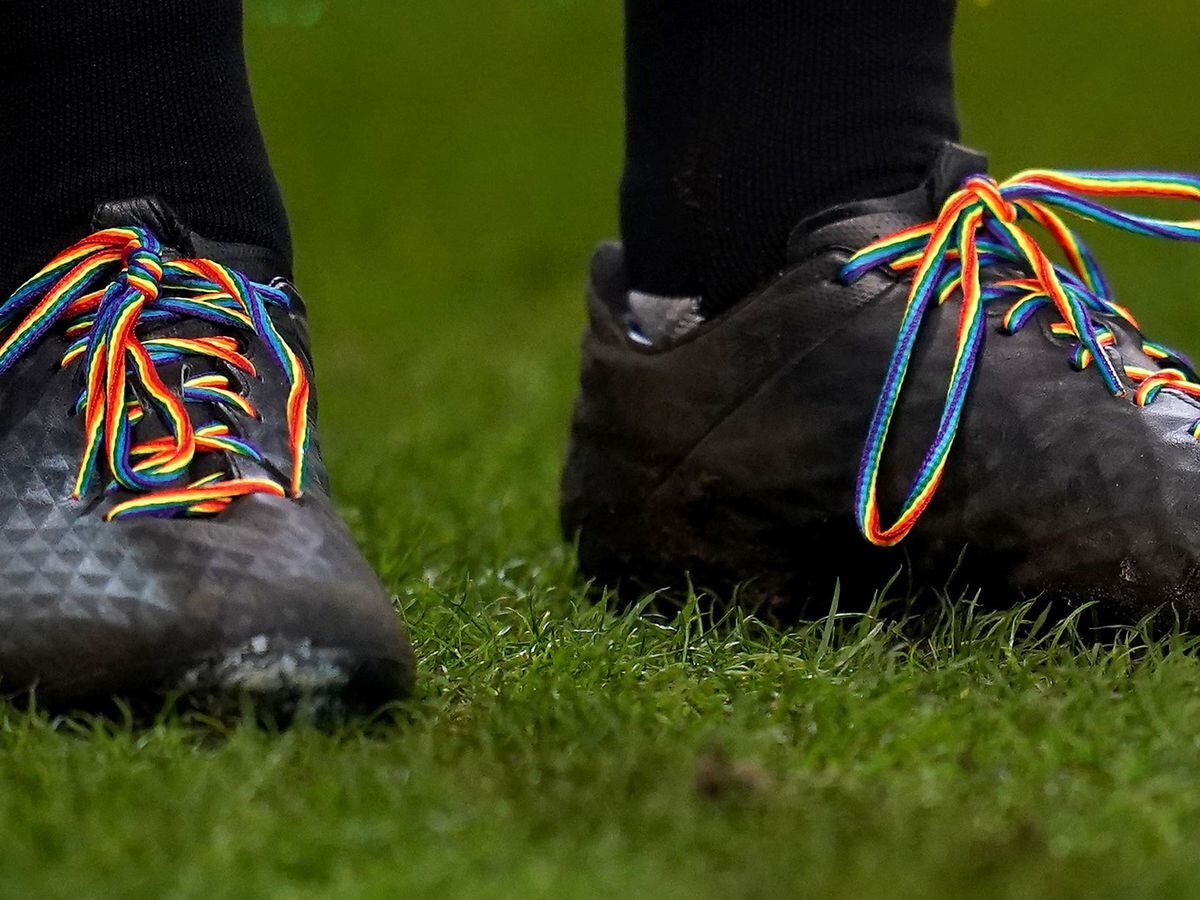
(447, 172)
(557, 749)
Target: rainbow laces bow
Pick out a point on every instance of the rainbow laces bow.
(103, 289)
(981, 224)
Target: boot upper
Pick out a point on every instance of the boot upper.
(91, 607)
(752, 425)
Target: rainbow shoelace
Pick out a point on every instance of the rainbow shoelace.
(102, 290)
(983, 224)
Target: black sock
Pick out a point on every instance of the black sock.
(744, 116)
(112, 99)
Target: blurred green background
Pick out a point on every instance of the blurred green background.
(448, 166)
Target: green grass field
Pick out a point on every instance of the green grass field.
(448, 166)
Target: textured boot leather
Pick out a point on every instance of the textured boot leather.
(268, 587)
(730, 456)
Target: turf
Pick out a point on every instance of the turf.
(447, 171)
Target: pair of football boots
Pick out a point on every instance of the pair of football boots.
(922, 387)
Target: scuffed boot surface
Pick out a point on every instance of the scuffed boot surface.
(736, 451)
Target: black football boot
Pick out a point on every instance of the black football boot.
(748, 447)
(165, 521)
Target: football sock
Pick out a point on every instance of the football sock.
(745, 116)
(114, 99)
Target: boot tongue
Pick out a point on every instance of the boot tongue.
(954, 165)
(179, 239)
(149, 213)
(857, 224)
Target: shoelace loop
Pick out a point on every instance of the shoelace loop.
(982, 224)
(103, 289)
